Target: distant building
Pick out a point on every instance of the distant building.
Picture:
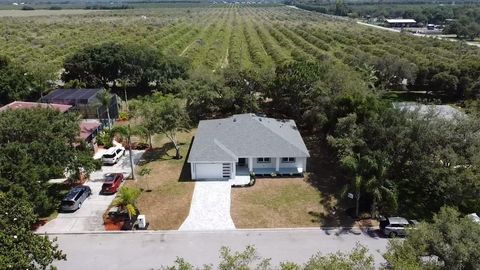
(85, 102)
(400, 23)
(445, 112)
(31, 105)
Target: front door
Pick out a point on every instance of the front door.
(242, 162)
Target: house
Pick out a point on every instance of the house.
(88, 127)
(400, 23)
(445, 112)
(30, 105)
(85, 102)
(246, 143)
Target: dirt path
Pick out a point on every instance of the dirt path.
(188, 47)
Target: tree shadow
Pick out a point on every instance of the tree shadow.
(157, 153)
(185, 174)
(325, 175)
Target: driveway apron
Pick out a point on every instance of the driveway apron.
(210, 207)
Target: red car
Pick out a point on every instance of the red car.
(112, 183)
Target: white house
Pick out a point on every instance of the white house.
(244, 144)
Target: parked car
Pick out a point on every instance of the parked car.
(475, 217)
(112, 183)
(395, 226)
(113, 154)
(75, 197)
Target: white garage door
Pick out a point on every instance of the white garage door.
(208, 171)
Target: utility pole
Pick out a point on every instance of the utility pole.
(130, 151)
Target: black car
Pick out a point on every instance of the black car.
(75, 197)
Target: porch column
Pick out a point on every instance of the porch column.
(277, 164)
(250, 164)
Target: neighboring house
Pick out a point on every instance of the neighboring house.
(88, 127)
(84, 101)
(400, 23)
(244, 144)
(30, 105)
(445, 112)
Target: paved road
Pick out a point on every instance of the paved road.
(150, 250)
(89, 217)
(210, 207)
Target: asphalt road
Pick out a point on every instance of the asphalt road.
(151, 250)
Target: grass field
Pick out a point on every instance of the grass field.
(166, 196)
(213, 37)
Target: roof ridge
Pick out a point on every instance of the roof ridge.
(278, 134)
(224, 148)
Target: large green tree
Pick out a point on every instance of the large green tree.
(20, 248)
(450, 241)
(37, 145)
(164, 114)
(15, 82)
(107, 64)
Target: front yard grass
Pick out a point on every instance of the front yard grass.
(295, 202)
(276, 203)
(166, 192)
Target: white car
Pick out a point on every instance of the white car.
(113, 155)
(475, 217)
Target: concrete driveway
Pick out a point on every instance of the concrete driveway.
(89, 217)
(210, 207)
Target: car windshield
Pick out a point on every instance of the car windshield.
(69, 203)
(109, 178)
(108, 155)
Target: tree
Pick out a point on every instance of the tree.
(357, 259)
(20, 248)
(104, 99)
(446, 83)
(15, 82)
(37, 145)
(169, 116)
(126, 200)
(106, 64)
(448, 242)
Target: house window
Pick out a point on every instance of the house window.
(288, 160)
(263, 160)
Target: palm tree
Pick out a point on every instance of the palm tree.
(377, 186)
(104, 97)
(126, 200)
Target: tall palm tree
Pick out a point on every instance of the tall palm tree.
(104, 97)
(126, 200)
(378, 188)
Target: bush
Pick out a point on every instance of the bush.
(123, 116)
(104, 138)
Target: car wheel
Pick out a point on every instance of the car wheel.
(392, 234)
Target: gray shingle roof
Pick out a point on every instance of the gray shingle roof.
(246, 135)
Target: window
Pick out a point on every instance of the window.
(288, 160)
(263, 160)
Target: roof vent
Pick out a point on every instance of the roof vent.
(234, 119)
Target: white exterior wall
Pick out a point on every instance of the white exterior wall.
(271, 164)
(300, 162)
